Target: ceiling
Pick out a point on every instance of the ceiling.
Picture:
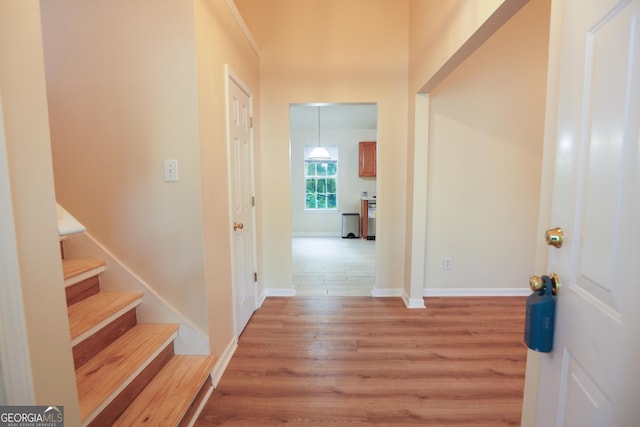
(334, 116)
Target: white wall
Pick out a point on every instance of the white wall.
(350, 185)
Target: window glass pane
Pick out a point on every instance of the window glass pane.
(322, 169)
(332, 201)
(321, 186)
(311, 169)
(311, 201)
(331, 185)
(311, 185)
(321, 201)
(332, 169)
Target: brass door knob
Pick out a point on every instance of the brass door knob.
(536, 283)
(554, 237)
(238, 226)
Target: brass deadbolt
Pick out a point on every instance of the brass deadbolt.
(554, 237)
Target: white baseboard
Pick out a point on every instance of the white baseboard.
(261, 299)
(417, 302)
(387, 292)
(477, 292)
(412, 302)
(398, 293)
(277, 292)
(223, 362)
(315, 234)
(449, 292)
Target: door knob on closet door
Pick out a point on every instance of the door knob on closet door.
(238, 226)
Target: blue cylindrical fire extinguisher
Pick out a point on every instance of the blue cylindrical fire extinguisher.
(540, 318)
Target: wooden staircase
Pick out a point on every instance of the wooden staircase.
(127, 373)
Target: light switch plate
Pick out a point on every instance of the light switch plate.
(171, 170)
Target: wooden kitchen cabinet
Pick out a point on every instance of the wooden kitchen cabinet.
(367, 159)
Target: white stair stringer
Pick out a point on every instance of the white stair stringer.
(119, 278)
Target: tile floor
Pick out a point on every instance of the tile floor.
(333, 266)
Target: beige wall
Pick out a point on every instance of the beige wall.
(440, 29)
(24, 103)
(330, 51)
(122, 88)
(442, 36)
(485, 157)
(219, 41)
(131, 84)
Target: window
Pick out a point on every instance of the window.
(321, 183)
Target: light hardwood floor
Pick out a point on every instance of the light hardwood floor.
(362, 361)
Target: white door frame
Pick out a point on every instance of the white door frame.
(414, 297)
(231, 75)
(15, 369)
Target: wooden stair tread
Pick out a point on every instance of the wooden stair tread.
(166, 399)
(74, 267)
(90, 312)
(108, 372)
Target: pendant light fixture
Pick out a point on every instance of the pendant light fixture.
(319, 152)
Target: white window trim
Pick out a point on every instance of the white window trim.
(333, 150)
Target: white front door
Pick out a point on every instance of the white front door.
(592, 377)
(242, 202)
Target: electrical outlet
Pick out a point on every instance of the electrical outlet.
(447, 263)
(171, 170)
